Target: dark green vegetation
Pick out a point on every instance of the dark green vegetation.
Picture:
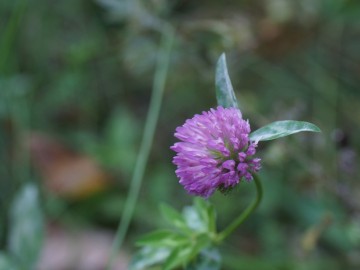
(80, 73)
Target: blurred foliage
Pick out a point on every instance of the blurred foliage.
(189, 243)
(26, 231)
(81, 73)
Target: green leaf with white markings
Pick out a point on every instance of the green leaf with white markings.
(280, 129)
(177, 257)
(224, 91)
(193, 231)
(208, 259)
(149, 256)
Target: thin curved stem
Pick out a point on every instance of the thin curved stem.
(148, 136)
(244, 215)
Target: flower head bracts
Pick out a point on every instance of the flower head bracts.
(215, 152)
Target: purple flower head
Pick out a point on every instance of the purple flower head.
(215, 152)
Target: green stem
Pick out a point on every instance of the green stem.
(244, 215)
(9, 35)
(9, 169)
(147, 139)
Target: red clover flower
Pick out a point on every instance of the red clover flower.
(215, 152)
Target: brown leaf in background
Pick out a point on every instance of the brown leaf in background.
(65, 172)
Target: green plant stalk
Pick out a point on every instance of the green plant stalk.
(8, 37)
(6, 46)
(152, 117)
(244, 215)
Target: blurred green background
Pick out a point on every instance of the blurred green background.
(75, 85)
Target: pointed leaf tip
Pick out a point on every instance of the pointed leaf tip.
(280, 129)
(224, 90)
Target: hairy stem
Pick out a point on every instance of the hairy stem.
(244, 215)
